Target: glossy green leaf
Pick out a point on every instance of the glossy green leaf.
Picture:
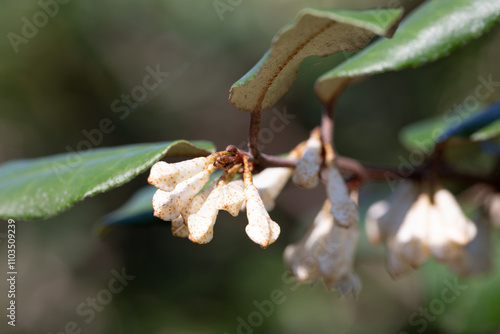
(475, 125)
(431, 32)
(43, 187)
(312, 32)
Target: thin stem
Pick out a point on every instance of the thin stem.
(327, 125)
(253, 136)
(365, 172)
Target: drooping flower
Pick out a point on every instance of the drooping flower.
(418, 223)
(326, 251)
(169, 205)
(261, 229)
(475, 257)
(306, 174)
(343, 207)
(225, 196)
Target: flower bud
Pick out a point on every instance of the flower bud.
(343, 207)
(169, 207)
(260, 229)
(306, 174)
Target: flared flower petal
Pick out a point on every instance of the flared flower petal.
(231, 197)
(326, 251)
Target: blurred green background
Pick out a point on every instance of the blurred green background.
(65, 79)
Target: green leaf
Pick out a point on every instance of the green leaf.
(43, 187)
(477, 126)
(312, 32)
(431, 32)
(422, 135)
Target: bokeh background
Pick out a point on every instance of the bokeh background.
(64, 80)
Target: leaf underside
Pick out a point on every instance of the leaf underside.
(312, 33)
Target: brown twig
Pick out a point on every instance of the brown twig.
(253, 136)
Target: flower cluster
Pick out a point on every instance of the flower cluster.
(326, 251)
(184, 199)
(418, 222)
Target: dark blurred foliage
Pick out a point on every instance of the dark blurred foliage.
(64, 81)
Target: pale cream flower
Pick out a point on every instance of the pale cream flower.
(166, 176)
(169, 205)
(384, 218)
(494, 209)
(326, 251)
(475, 257)
(261, 229)
(343, 208)
(179, 225)
(270, 182)
(179, 229)
(228, 197)
(416, 226)
(306, 174)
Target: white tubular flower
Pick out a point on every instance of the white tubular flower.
(475, 258)
(416, 226)
(343, 207)
(224, 196)
(232, 197)
(260, 229)
(376, 211)
(179, 229)
(179, 225)
(270, 182)
(385, 217)
(451, 230)
(170, 206)
(159, 198)
(410, 241)
(326, 251)
(306, 174)
(494, 209)
(201, 223)
(167, 176)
